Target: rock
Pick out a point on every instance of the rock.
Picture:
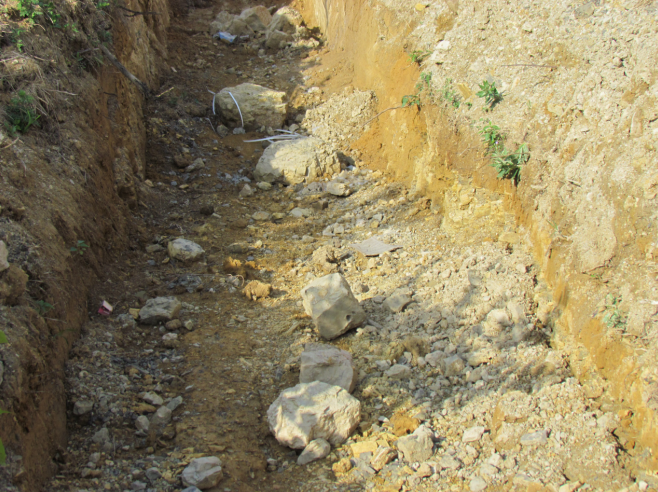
(261, 216)
(518, 313)
(512, 407)
(191, 489)
(259, 105)
(185, 250)
(152, 398)
(238, 248)
(424, 470)
(197, 164)
(316, 450)
(83, 407)
(294, 161)
(159, 309)
(238, 27)
(262, 185)
(278, 39)
(477, 484)
(102, 436)
(257, 18)
(313, 410)
(417, 446)
(338, 189)
(329, 365)
(142, 423)
(175, 403)
(449, 462)
(473, 434)
(257, 290)
(153, 474)
(285, 19)
(399, 371)
(246, 191)
(434, 358)
(383, 456)
(13, 282)
(4, 253)
(161, 417)
(221, 22)
(301, 212)
(534, 438)
(397, 301)
(333, 307)
(203, 473)
(453, 366)
(137, 485)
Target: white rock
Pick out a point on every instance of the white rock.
(142, 423)
(397, 301)
(338, 189)
(534, 438)
(159, 309)
(477, 484)
(453, 365)
(83, 407)
(333, 307)
(399, 371)
(221, 22)
(185, 250)
(313, 410)
(277, 39)
(101, 436)
(262, 185)
(153, 398)
(259, 105)
(329, 365)
(473, 434)
(417, 446)
(261, 216)
(294, 161)
(301, 212)
(434, 358)
(518, 313)
(285, 19)
(4, 264)
(257, 18)
(316, 450)
(175, 403)
(203, 473)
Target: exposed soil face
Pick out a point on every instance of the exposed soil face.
(534, 371)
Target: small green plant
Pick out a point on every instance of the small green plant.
(614, 317)
(422, 86)
(32, 10)
(449, 94)
(411, 100)
(492, 137)
(490, 94)
(80, 247)
(43, 307)
(508, 164)
(102, 4)
(418, 56)
(17, 39)
(20, 114)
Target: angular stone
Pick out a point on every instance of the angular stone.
(477, 484)
(294, 161)
(473, 434)
(399, 371)
(142, 423)
(221, 22)
(434, 358)
(101, 436)
(382, 457)
(313, 410)
(261, 216)
(83, 407)
(453, 366)
(259, 105)
(185, 250)
(333, 307)
(277, 39)
(203, 473)
(153, 474)
(159, 309)
(4, 253)
(397, 301)
(316, 450)
(285, 19)
(301, 212)
(161, 417)
(175, 403)
(534, 438)
(329, 365)
(338, 189)
(257, 18)
(246, 191)
(417, 446)
(449, 462)
(153, 398)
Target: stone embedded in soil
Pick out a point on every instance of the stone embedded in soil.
(534, 438)
(161, 417)
(4, 253)
(453, 366)
(238, 248)
(152, 398)
(160, 309)
(257, 18)
(333, 307)
(203, 473)
(329, 365)
(257, 290)
(142, 423)
(383, 456)
(83, 407)
(477, 484)
(399, 371)
(473, 434)
(101, 436)
(260, 106)
(397, 301)
(295, 161)
(338, 189)
(246, 191)
(175, 403)
(417, 446)
(185, 250)
(261, 216)
(277, 39)
(313, 410)
(316, 450)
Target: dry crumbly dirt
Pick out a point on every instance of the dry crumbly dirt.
(234, 355)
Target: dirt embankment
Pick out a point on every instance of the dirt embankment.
(68, 193)
(579, 88)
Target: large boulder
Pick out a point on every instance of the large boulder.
(257, 18)
(203, 473)
(277, 40)
(259, 105)
(285, 19)
(329, 365)
(310, 411)
(296, 161)
(185, 250)
(221, 22)
(160, 309)
(333, 307)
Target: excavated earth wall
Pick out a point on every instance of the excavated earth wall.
(579, 88)
(79, 179)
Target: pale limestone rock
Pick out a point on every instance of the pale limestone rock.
(203, 473)
(159, 309)
(259, 105)
(185, 250)
(329, 365)
(316, 450)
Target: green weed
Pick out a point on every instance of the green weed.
(508, 164)
(21, 114)
(492, 137)
(43, 307)
(423, 85)
(418, 56)
(80, 247)
(614, 317)
(449, 94)
(33, 10)
(490, 94)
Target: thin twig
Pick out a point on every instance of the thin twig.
(125, 71)
(62, 92)
(162, 94)
(388, 109)
(9, 145)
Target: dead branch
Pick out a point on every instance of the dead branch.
(125, 71)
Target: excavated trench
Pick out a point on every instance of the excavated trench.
(526, 348)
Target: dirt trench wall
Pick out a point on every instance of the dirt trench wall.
(76, 178)
(580, 89)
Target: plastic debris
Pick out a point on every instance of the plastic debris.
(225, 37)
(105, 309)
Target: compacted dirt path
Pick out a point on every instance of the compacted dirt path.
(479, 374)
